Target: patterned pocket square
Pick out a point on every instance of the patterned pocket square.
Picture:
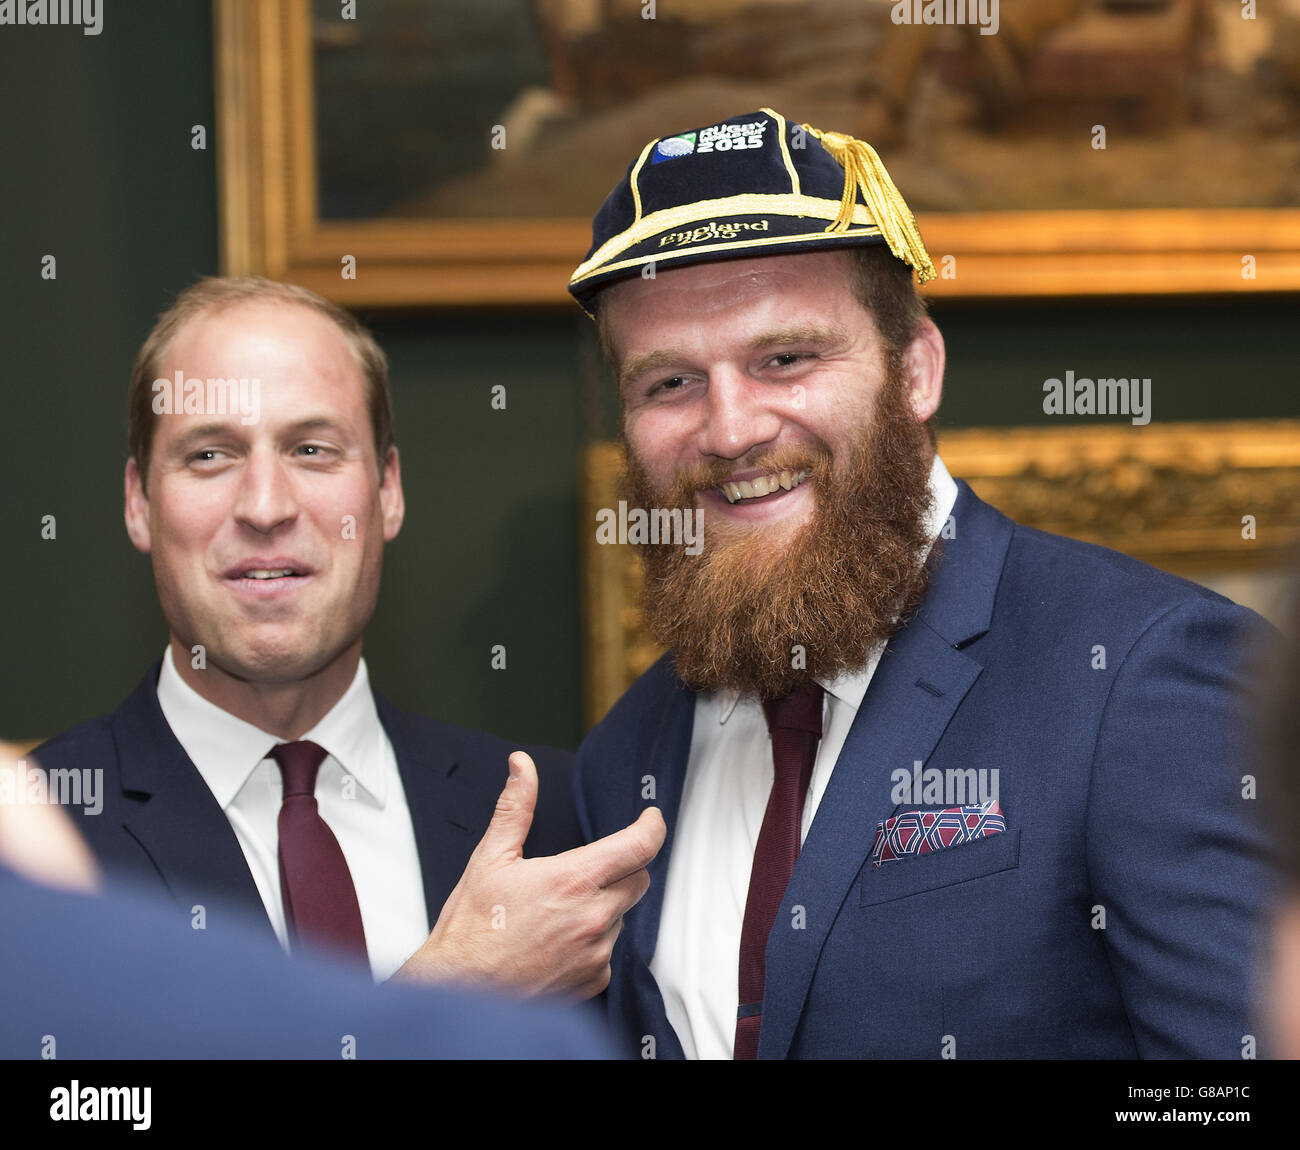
(936, 829)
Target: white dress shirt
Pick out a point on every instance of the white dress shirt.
(358, 793)
(724, 797)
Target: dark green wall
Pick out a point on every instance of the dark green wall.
(96, 168)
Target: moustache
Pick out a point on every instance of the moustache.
(711, 474)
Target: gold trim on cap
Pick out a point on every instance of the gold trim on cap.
(749, 204)
(731, 245)
(870, 230)
(636, 171)
(785, 151)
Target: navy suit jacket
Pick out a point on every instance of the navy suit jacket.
(123, 977)
(161, 827)
(1119, 913)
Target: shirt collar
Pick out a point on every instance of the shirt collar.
(848, 688)
(351, 732)
(226, 750)
(851, 687)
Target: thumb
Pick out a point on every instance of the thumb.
(504, 838)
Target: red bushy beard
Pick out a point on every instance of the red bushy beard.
(737, 615)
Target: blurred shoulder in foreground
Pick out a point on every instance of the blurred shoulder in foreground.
(119, 975)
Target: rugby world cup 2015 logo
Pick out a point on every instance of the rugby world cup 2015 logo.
(673, 147)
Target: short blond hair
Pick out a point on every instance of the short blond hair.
(215, 293)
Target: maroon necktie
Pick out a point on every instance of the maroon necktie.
(795, 724)
(320, 902)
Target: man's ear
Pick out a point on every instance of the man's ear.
(391, 500)
(924, 363)
(136, 508)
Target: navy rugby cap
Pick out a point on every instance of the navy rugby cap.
(751, 185)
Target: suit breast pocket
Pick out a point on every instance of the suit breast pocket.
(917, 874)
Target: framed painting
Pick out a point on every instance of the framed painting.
(397, 153)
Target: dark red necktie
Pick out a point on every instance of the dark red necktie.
(795, 724)
(320, 902)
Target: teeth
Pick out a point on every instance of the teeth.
(263, 573)
(788, 480)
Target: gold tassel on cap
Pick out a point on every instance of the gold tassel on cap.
(864, 169)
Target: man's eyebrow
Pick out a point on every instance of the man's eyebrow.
(782, 337)
(643, 364)
(315, 423)
(778, 337)
(226, 427)
(204, 431)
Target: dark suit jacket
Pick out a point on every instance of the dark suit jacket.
(161, 826)
(1122, 789)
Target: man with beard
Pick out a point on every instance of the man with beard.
(936, 785)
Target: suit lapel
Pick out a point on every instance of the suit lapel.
(918, 685)
(667, 745)
(442, 820)
(179, 823)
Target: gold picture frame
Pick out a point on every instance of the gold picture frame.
(270, 222)
(1173, 495)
